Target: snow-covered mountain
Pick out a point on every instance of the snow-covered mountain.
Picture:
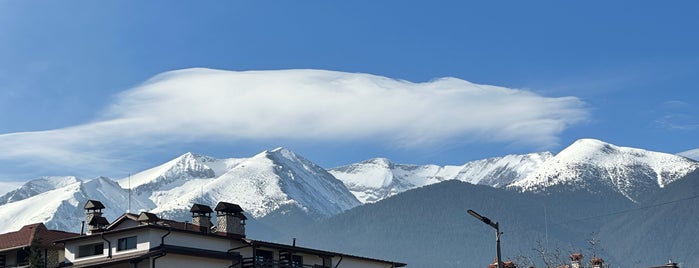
(597, 166)
(61, 206)
(37, 186)
(379, 178)
(587, 164)
(261, 184)
(279, 181)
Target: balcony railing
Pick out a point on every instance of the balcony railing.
(256, 263)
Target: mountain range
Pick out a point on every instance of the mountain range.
(287, 195)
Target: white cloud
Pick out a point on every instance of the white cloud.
(693, 154)
(7, 186)
(196, 105)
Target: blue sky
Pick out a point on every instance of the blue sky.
(622, 72)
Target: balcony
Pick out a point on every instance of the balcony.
(257, 263)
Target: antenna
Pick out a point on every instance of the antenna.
(546, 226)
(129, 210)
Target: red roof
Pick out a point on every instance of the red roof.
(26, 234)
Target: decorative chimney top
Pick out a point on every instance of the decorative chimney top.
(146, 217)
(200, 209)
(93, 205)
(597, 260)
(230, 219)
(228, 208)
(576, 256)
(95, 221)
(201, 216)
(98, 221)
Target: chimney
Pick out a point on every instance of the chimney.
(201, 216)
(230, 219)
(597, 262)
(576, 260)
(95, 222)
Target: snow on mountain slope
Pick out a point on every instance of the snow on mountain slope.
(265, 183)
(501, 171)
(378, 178)
(171, 174)
(595, 166)
(62, 208)
(37, 186)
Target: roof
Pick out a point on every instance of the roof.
(146, 216)
(576, 256)
(93, 204)
(228, 207)
(199, 208)
(98, 221)
(25, 235)
(316, 251)
(668, 265)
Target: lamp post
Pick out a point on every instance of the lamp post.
(497, 232)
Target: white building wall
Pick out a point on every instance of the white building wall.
(192, 240)
(71, 249)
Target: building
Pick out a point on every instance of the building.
(32, 244)
(505, 264)
(669, 264)
(144, 240)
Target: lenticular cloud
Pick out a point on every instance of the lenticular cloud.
(327, 105)
(200, 105)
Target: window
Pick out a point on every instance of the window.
(264, 256)
(90, 250)
(126, 243)
(296, 261)
(22, 257)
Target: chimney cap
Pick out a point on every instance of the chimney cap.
(147, 217)
(98, 221)
(201, 209)
(597, 260)
(576, 256)
(228, 207)
(93, 205)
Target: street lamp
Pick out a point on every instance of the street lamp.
(497, 232)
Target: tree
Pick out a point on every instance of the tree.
(36, 254)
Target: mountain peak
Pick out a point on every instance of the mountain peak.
(594, 165)
(380, 161)
(184, 167)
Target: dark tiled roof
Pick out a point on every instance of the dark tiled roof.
(26, 234)
(228, 207)
(98, 221)
(199, 208)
